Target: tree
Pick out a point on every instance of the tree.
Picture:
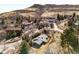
(12, 34)
(18, 20)
(27, 39)
(69, 38)
(3, 22)
(24, 48)
(74, 14)
(29, 19)
(65, 16)
(60, 17)
(51, 25)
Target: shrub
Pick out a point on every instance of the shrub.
(60, 17)
(24, 47)
(74, 14)
(27, 39)
(12, 34)
(18, 20)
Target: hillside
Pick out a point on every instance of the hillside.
(40, 29)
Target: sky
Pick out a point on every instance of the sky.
(9, 5)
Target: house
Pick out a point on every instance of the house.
(52, 20)
(38, 41)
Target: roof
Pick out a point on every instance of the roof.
(38, 42)
(40, 39)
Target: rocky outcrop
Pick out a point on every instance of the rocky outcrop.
(11, 46)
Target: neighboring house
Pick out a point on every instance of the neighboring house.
(40, 40)
(52, 20)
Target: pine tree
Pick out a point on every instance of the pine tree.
(24, 47)
(69, 38)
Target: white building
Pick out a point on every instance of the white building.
(40, 39)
